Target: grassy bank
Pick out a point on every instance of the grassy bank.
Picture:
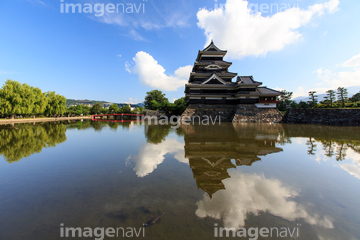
(42, 119)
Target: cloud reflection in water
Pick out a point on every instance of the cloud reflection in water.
(251, 194)
(151, 155)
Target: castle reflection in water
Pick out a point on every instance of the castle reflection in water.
(212, 151)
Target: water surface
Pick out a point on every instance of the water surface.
(100, 174)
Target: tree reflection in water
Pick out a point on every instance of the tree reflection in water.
(23, 140)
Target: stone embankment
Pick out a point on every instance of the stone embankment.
(211, 112)
(333, 117)
(232, 113)
(252, 114)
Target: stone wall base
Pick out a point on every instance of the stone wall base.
(333, 117)
(232, 113)
(225, 112)
(251, 114)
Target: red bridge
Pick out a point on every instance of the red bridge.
(115, 116)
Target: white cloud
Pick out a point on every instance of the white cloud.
(133, 101)
(251, 193)
(300, 91)
(332, 79)
(37, 2)
(353, 62)
(242, 33)
(136, 36)
(353, 168)
(153, 74)
(140, 15)
(152, 155)
(7, 72)
(350, 164)
(128, 66)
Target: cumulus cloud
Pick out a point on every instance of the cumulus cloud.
(244, 33)
(152, 155)
(152, 74)
(251, 193)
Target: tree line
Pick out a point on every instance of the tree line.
(333, 99)
(156, 100)
(18, 99)
(25, 100)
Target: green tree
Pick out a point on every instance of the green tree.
(331, 97)
(285, 101)
(40, 101)
(56, 104)
(126, 109)
(14, 100)
(179, 106)
(155, 100)
(71, 110)
(342, 95)
(286, 95)
(355, 98)
(79, 109)
(313, 98)
(113, 108)
(86, 110)
(104, 111)
(304, 105)
(96, 108)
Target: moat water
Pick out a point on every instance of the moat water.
(87, 174)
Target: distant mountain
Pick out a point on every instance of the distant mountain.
(351, 90)
(77, 102)
(141, 104)
(86, 101)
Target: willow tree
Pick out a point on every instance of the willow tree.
(40, 101)
(56, 104)
(15, 98)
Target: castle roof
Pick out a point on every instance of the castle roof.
(211, 49)
(247, 80)
(268, 91)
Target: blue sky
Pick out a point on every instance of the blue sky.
(118, 57)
